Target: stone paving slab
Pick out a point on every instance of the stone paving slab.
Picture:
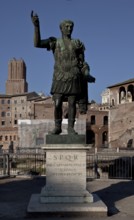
(15, 194)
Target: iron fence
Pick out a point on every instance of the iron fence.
(116, 166)
(22, 164)
(33, 162)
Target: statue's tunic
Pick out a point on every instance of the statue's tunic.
(67, 67)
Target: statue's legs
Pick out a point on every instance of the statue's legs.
(71, 114)
(58, 99)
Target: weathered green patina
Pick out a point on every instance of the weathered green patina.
(71, 72)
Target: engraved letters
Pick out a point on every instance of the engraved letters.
(68, 157)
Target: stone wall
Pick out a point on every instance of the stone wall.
(32, 133)
(121, 125)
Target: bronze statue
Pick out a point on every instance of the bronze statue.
(71, 72)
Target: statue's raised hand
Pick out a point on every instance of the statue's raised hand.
(35, 18)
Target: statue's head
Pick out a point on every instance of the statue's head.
(66, 27)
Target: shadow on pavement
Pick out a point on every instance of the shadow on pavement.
(15, 194)
(114, 193)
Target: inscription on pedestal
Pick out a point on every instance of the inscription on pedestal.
(66, 170)
(66, 177)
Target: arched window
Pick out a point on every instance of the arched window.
(130, 93)
(122, 94)
(92, 119)
(105, 120)
(112, 102)
(90, 137)
(105, 138)
(3, 114)
(2, 101)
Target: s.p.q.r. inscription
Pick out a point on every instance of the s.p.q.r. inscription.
(67, 157)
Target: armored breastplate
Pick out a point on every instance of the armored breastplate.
(66, 63)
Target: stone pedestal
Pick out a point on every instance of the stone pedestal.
(65, 190)
(66, 175)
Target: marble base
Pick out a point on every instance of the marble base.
(96, 208)
(66, 197)
(65, 190)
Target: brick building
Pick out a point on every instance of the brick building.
(16, 82)
(109, 124)
(97, 125)
(15, 104)
(43, 108)
(13, 108)
(121, 120)
(18, 103)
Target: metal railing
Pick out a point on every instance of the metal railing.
(116, 166)
(22, 164)
(33, 162)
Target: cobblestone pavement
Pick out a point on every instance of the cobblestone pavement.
(15, 194)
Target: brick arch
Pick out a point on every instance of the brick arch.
(122, 93)
(105, 120)
(104, 137)
(130, 90)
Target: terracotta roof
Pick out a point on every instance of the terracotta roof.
(122, 83)
(4, 96)
(28, 94)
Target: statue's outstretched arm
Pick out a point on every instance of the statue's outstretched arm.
(38, 42)
(36, 23)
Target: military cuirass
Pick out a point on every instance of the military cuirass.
(66, 62)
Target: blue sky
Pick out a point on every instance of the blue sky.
(106, 27)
